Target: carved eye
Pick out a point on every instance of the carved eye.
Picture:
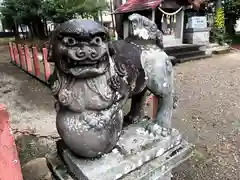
(97, 41)
(153, 28)
(70, 41)
(134, 25)
(145, 23)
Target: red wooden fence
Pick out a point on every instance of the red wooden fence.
(28, 60)
(10, 168)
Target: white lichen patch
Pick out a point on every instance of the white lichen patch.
(160, 152)
(165, 85)
(156, 127)
(127, 169)
(115, 151)
(140, 162)
(118, 176)
(147, 158)
(141, 131)
(112, 65)
(141, 33)
(151, 135)
(163, 168)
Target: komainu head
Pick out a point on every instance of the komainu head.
(145, 29)
(79, 48)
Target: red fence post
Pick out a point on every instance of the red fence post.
(36, 62)
(149, 99)
(11, 51)
(15, 53)
(10, 168)
(21, 55)
(46, 64)
(28, 59)
(155, 107)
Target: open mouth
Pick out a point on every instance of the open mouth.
(79, 67)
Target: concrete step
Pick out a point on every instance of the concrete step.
(218, 49)
(221, 50)
(186, 54)
(181, 48)
(194, 58)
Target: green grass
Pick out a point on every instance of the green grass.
(6, 40)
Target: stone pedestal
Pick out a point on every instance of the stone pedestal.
(138, 156)
(196, 36)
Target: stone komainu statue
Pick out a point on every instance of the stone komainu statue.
(94, 78)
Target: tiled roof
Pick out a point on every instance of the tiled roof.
(137, 5)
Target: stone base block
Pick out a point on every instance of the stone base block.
(138, 156)
(196, 36)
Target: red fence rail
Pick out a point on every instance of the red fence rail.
(31, 60)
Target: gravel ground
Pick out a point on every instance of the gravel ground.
(207, 115)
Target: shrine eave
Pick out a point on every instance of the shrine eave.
(137, 5)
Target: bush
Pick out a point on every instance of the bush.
(219, 33)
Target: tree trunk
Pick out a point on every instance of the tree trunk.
(15, 30)
(230, 24)
(218, 4)
(38, 27)
(112, 16)
(23, 34)
(118, 19)
(31, 31)
(45, 28)
(34, 30)
(101, 17)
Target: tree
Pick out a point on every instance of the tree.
(9, 16)
(35, 13)
(232, 13)
(25, 12)
(59, 11)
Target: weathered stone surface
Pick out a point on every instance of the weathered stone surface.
(196, 36)
(158, 168)
(119, 164)
(36, 170)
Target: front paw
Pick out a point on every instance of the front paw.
(65, 97)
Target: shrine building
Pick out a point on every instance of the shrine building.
(182, 25)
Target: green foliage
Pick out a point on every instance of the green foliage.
(61, 10)
(219, 22)
(28, 11)
(220, 36)
(21, 11)
(232, 7)
(219, 33)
